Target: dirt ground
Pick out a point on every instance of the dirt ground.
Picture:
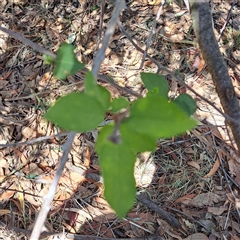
(194, 177)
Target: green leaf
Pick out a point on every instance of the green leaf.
(76, 112)
(48, 59)
(90, 84)
(66, 62)
(31, 176)
(103, 97)
(186, 103)
(152, 81)
(95, 7)
(119, 103)
(117, 167)
(155, 117)
(136, 141)
(98, 92)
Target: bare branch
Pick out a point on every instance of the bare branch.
(27, 42)
(153, 32)
(62, 235)
(119, 7)
(33, 141)
(164, 214)
(50, 195)
(227, 20)
(203, 27)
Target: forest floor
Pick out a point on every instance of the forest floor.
(195, 177)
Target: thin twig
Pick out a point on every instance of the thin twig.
(79, 237)
(28, 96)
(119, 7)
(50, 195)
(27, 42)
(5, 189)
(137, 225)
(168, 217)
(124, 89)
(227, 20)
(230, 178)
(34, 141)
(187, 216)
(100, 24)
(227, 218)
(153, 32)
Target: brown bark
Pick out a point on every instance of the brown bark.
(203, 27)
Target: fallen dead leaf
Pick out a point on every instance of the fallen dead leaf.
(104, 207)
(225, 223)
(69, 228)
(144, 173)
(29, 133)
(217, 210)
(197, 236)
(7, 211)
(166, 228)
(20, 2)
(234, 237)
(194, 164)
(201, 64)
(186, 197)
(20, 197)
(216, 132)
(21, 156)
(204, 199)
(7, 194)
(208, 225)
(233, 199)
(141, 218)
(215, 167)
(234, 168)
(3, 83)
